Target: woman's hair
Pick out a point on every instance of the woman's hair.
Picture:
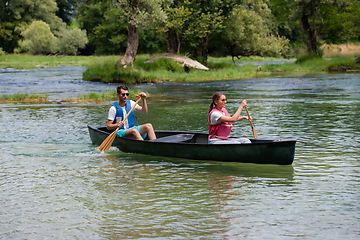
(123, 87)
(216, 96)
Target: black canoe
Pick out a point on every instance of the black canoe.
(193, 145)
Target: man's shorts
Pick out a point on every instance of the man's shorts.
(121, 132)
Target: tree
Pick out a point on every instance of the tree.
(206, 21)
(248, 33)
(140, 13)
(66, 9)
(333, 20)
(17, 14)
(70, 40)
(38, 39)
(178, 14)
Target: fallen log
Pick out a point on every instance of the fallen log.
(184, 61)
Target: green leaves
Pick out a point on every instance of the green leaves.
(248, 33)
(38, 39)
(70, 40)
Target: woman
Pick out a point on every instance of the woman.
(220, 121)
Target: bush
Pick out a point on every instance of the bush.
(307, 57)
(106, 72)
(38, 39)
(2, 53)
(69, 41)
(162, 64)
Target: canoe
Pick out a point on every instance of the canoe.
(194, 145)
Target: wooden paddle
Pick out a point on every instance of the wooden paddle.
(106, 144)
(252, 126)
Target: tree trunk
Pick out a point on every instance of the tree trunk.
(310, 37)
(131, 49)
(171, 42)
(204, 50)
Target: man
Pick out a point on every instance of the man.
(119, 110)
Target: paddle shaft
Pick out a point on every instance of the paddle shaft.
(252, 126)
(106, 144)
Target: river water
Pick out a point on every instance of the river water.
(56, 185)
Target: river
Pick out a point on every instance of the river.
(56, 185)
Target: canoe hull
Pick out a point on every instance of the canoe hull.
(259, 151)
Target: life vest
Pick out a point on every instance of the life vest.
(222, 130)
(120, 115)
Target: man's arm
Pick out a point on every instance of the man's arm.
(143, 108)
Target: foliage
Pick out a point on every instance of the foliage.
(337, 23)
(107, 29)
(38, 39)
(2, 53)
(307, 57)
(333, 21)
(106, 72)
(142, 13)
(17, 15)
(70, 40)
(247, 32)
(344, 64)
(162, 64)
(66, 9)
(8, 38)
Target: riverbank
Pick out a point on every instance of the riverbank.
(165, 70)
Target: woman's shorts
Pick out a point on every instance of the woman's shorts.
(121, 132)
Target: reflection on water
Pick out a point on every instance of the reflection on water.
(55, 184)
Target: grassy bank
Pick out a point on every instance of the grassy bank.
(220, 69)
(27, 61)
(109, 95)
(23, 97)
(101, 68)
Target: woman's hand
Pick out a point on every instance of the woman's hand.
(247, 118)
(243, 104)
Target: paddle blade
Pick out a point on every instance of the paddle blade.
(106, 144)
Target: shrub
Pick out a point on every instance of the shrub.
(38, 39)
(307, 57)
(106, 72)
(69, 41)
(2, 53)
(162, 64)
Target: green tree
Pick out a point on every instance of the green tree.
(66, 9)
(17, 14)
(38, 39)
(330, 20)
(247, 31)
(70, 40)
(91, 15)
(178, 14)
(140, 13)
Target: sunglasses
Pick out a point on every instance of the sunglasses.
(123, 94)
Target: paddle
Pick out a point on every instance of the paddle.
(252, 126)
(106, 144)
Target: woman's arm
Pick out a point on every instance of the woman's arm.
(236, 117)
